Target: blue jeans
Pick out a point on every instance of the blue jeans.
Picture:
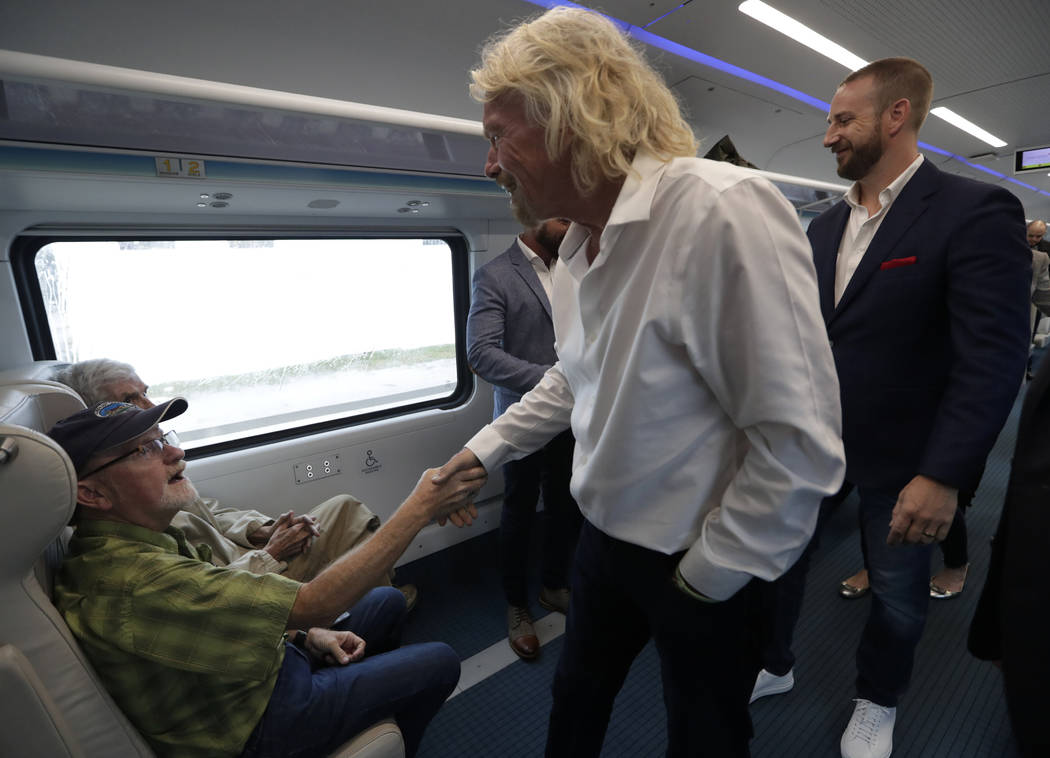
(621, 596)
(314, 709)
(551, 468)
(900, 597)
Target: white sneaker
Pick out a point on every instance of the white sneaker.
(870, 731)
(771, 684)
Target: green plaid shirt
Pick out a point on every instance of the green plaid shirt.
(189, 651)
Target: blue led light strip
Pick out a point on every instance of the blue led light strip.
(690, 54)
(661, 18)
(742, 73)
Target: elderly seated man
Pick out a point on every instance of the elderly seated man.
(297, 546)
(208, 660)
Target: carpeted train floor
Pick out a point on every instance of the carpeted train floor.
(954, 709)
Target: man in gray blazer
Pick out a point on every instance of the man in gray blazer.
(510, 344)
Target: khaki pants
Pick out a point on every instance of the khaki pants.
(345, 522)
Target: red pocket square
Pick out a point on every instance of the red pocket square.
(895, 262)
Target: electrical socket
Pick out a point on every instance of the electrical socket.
(317, 467)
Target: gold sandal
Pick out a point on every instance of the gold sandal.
(851, 592)
(940, 593)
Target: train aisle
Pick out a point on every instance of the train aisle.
(955, 708)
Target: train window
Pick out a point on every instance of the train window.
(262, 335)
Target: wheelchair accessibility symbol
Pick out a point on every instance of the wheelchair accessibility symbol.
(372, 463)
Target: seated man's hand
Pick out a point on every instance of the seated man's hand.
(462, 517)
(262, 534)
(462, 461)
(309, 524)
(334, 648)
(438, 494)
(290, 537)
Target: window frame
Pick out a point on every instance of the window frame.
(26, 245)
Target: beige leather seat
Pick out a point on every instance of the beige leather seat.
(51, 701)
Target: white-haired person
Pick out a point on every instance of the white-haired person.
(694, 371)
(296, 545)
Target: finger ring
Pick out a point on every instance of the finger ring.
(927, 534)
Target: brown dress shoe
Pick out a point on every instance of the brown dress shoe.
(411, 593)
(521, 633)
(555, 599)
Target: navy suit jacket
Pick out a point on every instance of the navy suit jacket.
(930, 337)
(510, 333)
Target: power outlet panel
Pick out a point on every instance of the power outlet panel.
(317, 467)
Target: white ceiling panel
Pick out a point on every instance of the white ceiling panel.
(716, 110)
(990, 60)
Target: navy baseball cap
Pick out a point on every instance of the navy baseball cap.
(107, 425)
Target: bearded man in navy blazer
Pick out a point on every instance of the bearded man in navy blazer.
(923, 279)
(510, 344)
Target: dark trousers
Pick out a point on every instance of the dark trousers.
(621, 596)
(782, 599)
(955, 546)
(315, 709)
(548, 469)
(900, 594)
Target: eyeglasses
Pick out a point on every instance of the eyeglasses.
(147, 449)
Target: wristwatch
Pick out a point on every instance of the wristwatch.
(683, 586)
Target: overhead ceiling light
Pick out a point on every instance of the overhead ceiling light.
(969, 127)
(801, 33)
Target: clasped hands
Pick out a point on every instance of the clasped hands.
(286, 537)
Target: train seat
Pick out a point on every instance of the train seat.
(52, 703)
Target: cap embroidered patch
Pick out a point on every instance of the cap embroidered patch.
(105, 410)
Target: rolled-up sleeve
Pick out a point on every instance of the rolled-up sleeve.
(527, 425)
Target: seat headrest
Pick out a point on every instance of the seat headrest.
(37, 404)
(37, 371)
(40, 492)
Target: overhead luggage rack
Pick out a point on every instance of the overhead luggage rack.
(62, 102)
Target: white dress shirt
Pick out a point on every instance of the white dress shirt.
(860, 229)
(696, 373)
(539, 267)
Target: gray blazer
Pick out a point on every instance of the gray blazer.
(510, 334)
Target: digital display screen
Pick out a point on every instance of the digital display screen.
(1032, 159)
